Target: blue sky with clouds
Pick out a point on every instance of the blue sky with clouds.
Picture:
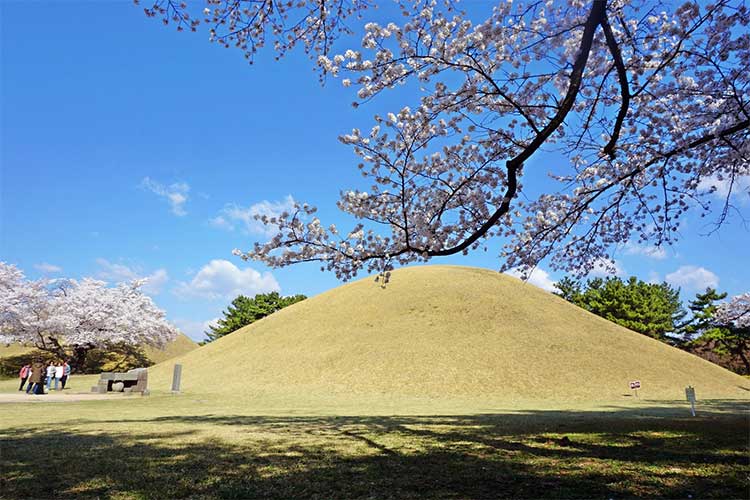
(130, 150)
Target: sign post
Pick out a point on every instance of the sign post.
(690, 394)
(634, 386)
(176, 376)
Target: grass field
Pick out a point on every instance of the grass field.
(166, 446)
(359, 393)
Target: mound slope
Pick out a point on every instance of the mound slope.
(446, 332)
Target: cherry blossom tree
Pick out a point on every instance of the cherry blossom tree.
(731, 333)
(646, 102)
(62, 315)
(735, 313)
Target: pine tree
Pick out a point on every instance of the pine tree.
(703, 309)
(649, 308)
(568, 288)
(244, 311)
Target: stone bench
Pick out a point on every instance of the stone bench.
(135, 380)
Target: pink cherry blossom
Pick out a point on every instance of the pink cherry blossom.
(54, 313)
(646, 101)
(735, 313)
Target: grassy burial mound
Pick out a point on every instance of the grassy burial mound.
(444, 332)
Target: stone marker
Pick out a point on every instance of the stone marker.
(176, 376)
(101, 387)
(690, 394)
(135, 380)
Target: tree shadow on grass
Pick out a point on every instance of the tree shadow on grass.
(520, 455)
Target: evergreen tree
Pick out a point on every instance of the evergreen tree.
(568, 288)
(648, 308)
(703, 309)
(244, 311)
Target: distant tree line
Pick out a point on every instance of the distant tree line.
(713, 330)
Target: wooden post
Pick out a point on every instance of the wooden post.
(176, 376)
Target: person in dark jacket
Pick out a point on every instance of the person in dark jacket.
(66, 373)
(37, 377)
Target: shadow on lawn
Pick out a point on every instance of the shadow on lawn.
(528, 455)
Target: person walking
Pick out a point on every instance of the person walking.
(50, 375)
(36, 379)
(66, 374)
(24, 375)
(59, 371)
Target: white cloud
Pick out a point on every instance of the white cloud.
(650, 251)
(720, 188)
(604, 268)
(222, 223)
(538, 277)
(194, 329)
(693, 278)
(176, 194)
(47, 268)
(220, 279)
(233, 215)
(653, 277)
(155, 282)
(118, 273)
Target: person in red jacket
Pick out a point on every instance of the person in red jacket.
(24, 374)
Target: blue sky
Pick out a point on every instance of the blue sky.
(123, 142)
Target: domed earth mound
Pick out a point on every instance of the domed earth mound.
(446, 333)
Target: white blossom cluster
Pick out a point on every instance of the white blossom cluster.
(735, 313)
(250, 24)
(647, 101)
(77, 313)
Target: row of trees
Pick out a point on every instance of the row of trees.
(716, 330)
(69, 318)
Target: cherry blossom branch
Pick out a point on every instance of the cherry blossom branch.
(614, 49)
(644, 109)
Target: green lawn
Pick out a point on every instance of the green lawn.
(167, 446)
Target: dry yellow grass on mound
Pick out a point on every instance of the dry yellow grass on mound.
(444, 332)
(180, 345)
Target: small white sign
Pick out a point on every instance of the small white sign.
(635, 384)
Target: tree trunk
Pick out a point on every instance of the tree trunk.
(78, 361)
(57, 349)
(53, 347)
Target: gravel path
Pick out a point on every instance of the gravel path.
(55, 397)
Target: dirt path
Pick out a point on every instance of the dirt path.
(56, 397)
